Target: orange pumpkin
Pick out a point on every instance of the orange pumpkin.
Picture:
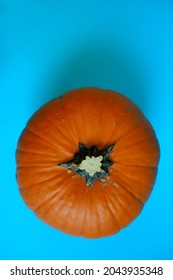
(87, 162)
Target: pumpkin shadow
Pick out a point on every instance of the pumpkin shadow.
(99, 67)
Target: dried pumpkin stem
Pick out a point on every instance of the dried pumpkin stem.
(90, 162)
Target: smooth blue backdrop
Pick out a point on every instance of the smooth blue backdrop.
(48, 47)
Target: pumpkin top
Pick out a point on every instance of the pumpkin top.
(87, 162)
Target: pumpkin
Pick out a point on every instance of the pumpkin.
(87, 162)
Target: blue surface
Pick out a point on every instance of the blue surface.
(49, 47)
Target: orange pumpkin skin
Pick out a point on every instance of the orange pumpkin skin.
(59, 196)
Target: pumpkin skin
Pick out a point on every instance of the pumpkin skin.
(61, 197)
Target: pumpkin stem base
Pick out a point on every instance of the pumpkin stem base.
(90, 162)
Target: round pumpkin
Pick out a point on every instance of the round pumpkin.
(87, 162)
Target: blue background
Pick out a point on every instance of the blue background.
(49, 47)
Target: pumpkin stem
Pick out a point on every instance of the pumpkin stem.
(90, 162)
